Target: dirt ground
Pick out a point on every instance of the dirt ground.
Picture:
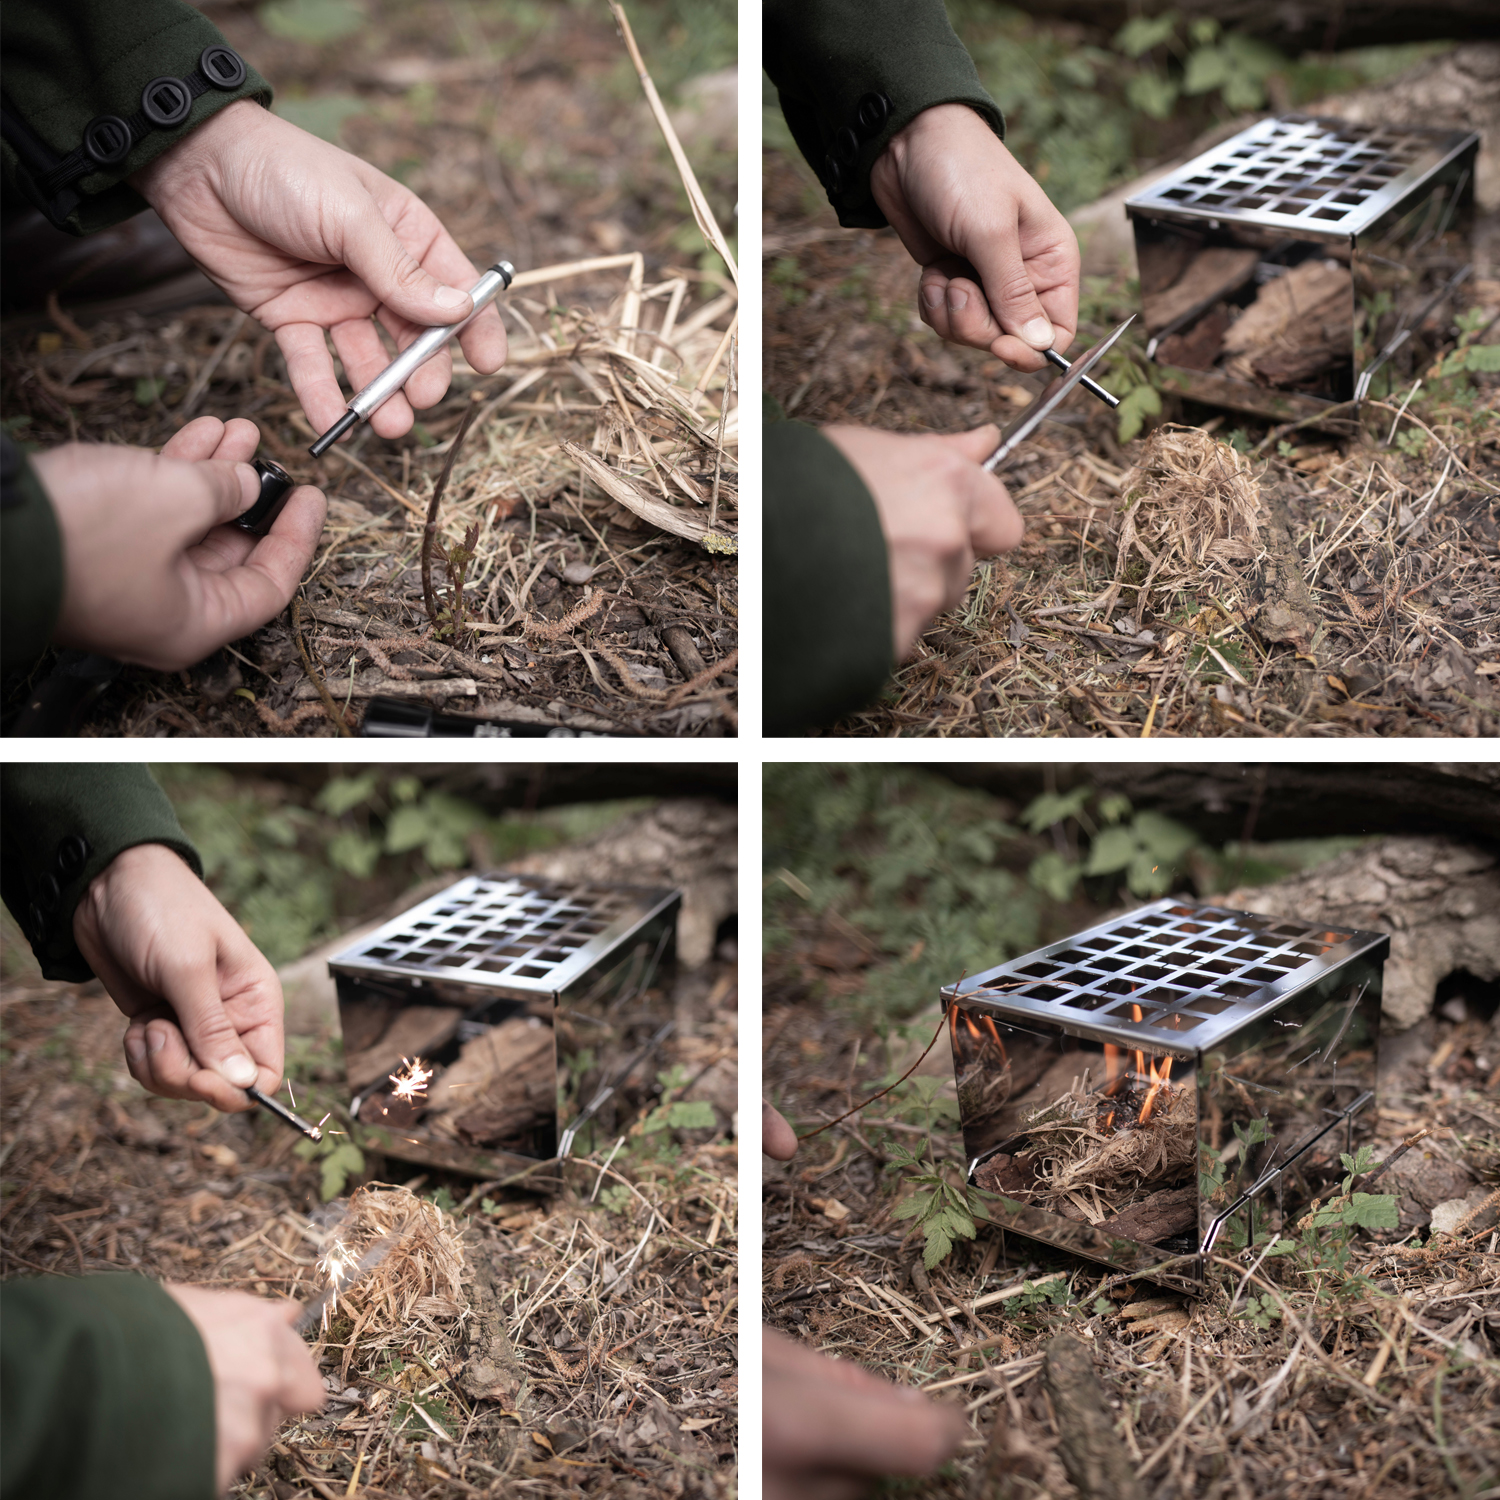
(1403, 633)
(596, 1350)
(1379, 1381)
(449, 100)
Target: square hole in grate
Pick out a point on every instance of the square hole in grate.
(1128, 1012)
(1218, 966)
(1265, 976)
(1043, 992)
(1088, 1002)
(1210, 1006)
(1282, 961)
(1165, 995)
(1038, 971)
(1236, 989)
(1118, 987)
(1149, 971)
(1108, 965)
(1099, 944)
(1077, 977)
(379, 952)
(533, 971)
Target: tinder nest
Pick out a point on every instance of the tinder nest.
(1076, 1155)
(1192, 511)
(413, 1285)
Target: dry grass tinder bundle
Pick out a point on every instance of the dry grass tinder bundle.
(413, 1288)
(1192, 510)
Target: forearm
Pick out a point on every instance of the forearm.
(850, 74)
(827, 611)
(107, 1390)
(62, 826)
(66, 66)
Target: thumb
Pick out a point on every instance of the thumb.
(976, 445)
(193, 994)
(1009, 290)
(393, 274)
(205, 493)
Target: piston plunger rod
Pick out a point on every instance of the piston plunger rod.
(404, 366)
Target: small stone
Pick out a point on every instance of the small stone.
(578, 572)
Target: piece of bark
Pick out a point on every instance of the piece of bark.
(1005, 1174)
(1299, 324)
(414, 1030)
(1090, 1448)
(679, 642)
(502, 1085)
(1210, 276)
(1197, 348)
(1284, 605)
(1155, 1218)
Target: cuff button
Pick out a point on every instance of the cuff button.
(107, 140)
(166, 102)
(223, 68)
(846, 146)
(870, 115)
(834, 174)
(72, 855)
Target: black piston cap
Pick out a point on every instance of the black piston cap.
(275, 485)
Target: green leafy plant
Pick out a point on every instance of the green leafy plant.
(944, 1213)
(339, 1159)
(1147, 847)
(673, 1113)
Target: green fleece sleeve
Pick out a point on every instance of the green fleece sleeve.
(105, 1389)
(66, 63)
(60, 826)
(31, 562)
(850, 74)
(827, 589)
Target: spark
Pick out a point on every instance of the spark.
(337, 1263)
(411, 1083)
(326, 1118)
(290, 1095)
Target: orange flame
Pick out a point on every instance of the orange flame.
(994, 1032)
(1157, 1080)
(1114, 1069)
(1140, 1057)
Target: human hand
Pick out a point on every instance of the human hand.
(777, 1139)
(938, 509)
(831, 1428)
(263, 1373)
(153, 575)
(307, 238)
(1000, 263)
(204, 1003)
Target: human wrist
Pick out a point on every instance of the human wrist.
(139, 867)
(199, 154)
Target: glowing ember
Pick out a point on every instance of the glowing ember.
(337, 1263)
(412, 1083)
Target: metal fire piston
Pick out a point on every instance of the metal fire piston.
(277, 1108)
(395, 375)
(1055, 394)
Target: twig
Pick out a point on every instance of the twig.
(195, 395)
(942, 1022)
(713, 504)
(313, 675)
(429, 531)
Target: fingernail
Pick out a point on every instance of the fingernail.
(156, 1040)
(932, 295)
(135, 1049)
(958, 299)
(1038, 333)
(449, 296)
(240, 1071)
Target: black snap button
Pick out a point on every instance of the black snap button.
(846, 146)
(107, 140)
(870, 115)
(223, 69)
(166, 102)
(38, 922)
(72, 855)
(834, 174)
(47, 892)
